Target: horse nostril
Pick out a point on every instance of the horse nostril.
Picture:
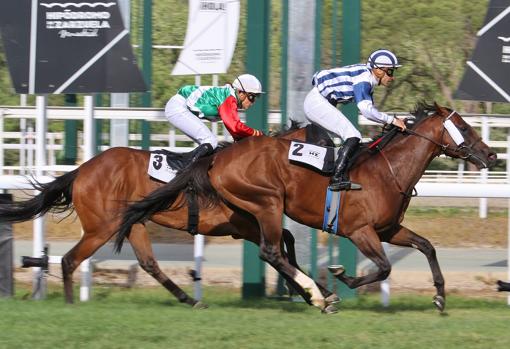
(493, 156)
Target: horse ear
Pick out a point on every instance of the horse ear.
(439, 109)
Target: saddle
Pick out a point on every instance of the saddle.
(176, 161)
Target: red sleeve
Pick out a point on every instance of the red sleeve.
(230, 117)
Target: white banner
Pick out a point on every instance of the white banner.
(210, 38)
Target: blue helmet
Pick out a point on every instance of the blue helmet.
(382, 59)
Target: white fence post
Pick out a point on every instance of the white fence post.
(88, 153)
(39, 291)
(483, 172)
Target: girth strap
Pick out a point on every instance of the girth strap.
(392, 172)
(193, 210)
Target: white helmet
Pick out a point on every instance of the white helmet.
(248, 83)
(382, 59)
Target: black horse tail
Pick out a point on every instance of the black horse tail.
(193, 180)
(55, 196)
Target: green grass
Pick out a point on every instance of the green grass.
(149, 318)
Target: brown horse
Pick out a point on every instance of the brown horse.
(102, 186)
(256, 176)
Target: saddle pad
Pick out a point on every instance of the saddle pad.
(159, 169)
(321, 158)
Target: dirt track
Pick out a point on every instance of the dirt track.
(458, 231)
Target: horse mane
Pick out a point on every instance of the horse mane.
(294, 125)
(423, 110)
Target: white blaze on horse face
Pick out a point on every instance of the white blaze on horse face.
(454, 132)
(309, 285)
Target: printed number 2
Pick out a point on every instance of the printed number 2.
(298, 147)
(158, 163)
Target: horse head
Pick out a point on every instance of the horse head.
(455, 137)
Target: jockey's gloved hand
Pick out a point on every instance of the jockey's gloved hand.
(399, 123)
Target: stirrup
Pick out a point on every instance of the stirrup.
(344, 185)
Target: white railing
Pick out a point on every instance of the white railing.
(24, 139)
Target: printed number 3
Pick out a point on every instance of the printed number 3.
(158, 163)
(298, 147)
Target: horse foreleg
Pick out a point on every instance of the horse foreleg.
(142, 247)
(367, 241)
(289, 242)
(408, 238)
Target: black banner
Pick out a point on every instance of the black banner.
(487, 76)
(80, 47)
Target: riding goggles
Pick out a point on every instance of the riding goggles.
(252, 97)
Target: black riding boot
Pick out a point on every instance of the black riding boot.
(202, 150)
(339, 180)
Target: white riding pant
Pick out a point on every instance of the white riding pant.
(320, 112)
(178, 114)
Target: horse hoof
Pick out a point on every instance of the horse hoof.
(336, 269)
(439, 302)
(330, 309)
(199, 305)
(332, 299)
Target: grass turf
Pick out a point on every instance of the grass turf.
(148, 318)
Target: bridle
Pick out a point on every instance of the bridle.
(465, 150)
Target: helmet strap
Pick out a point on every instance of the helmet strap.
(244, 90)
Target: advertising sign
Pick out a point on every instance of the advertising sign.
(210, 37)
(487, 75)
(68, 47)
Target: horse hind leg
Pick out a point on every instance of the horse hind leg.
(290, 252)
(270, 251)
(367, 241)
(139, 239)
(406, 237)
(88, 244)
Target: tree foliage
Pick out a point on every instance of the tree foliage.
(433, 40)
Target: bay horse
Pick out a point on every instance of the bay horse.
(100, 188)
(256, 176)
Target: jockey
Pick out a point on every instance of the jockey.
(353, 83)
(192, 103)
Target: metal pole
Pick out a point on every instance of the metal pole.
(314, 273)
(351, 47)
(257, 63)
(89, 148)
(119, 129)
(23, 140)
(284, 61)
(508, 213)
(147, 69)
(198, 252)
(484, 172)
(385, 284)
(39, 285)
